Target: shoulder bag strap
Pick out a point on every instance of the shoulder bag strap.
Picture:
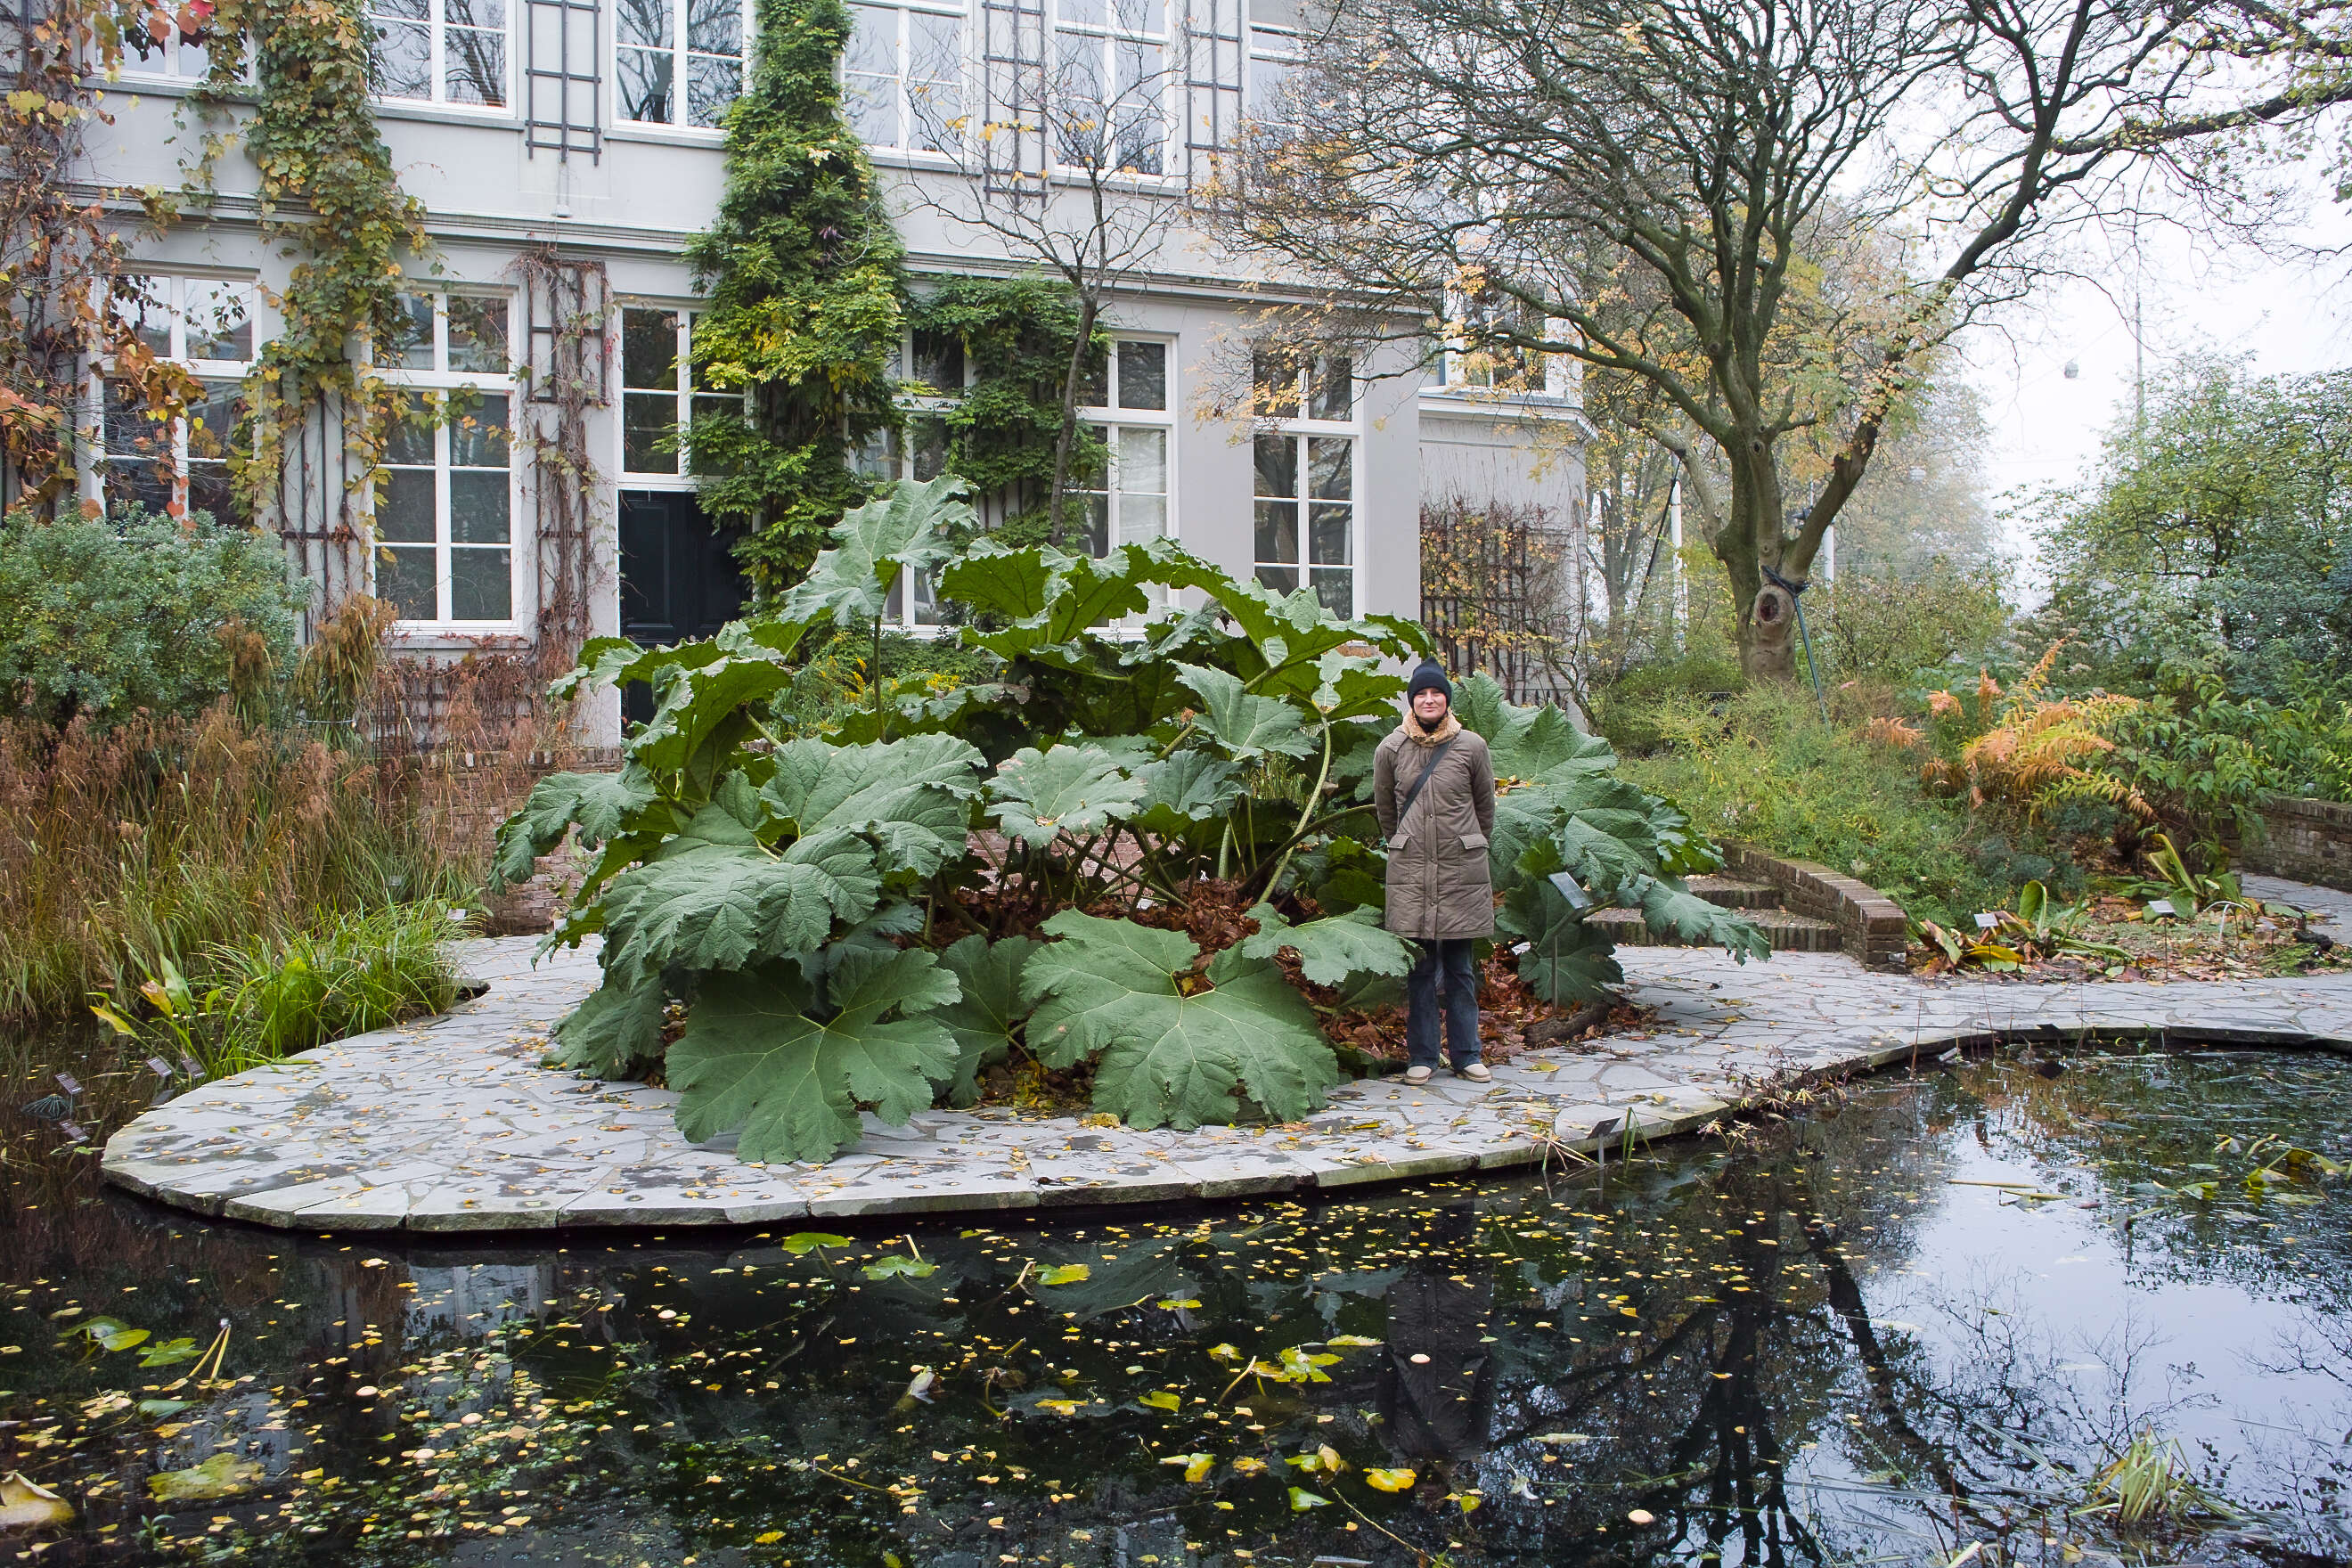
(1405, 807)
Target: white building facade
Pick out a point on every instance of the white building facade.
(586, 132)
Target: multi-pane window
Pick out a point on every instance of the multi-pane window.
(158, 43)
(440, 51)
(180, 465)
(444, 490)
(678, 62)
(1108, 92)
(1304, 465)
(1483, 355)
(1127, 405)
(660, 390)
(932, 367)
(1274, 60)
(903, 76)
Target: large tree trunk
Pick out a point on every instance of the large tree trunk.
(1755, 537)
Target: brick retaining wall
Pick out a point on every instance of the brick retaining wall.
(1870, 926)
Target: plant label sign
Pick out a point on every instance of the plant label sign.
(2161, 906)
(1986, 922)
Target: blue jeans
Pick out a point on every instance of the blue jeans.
(1460, 1004)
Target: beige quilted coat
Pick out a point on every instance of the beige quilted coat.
(1438, 884)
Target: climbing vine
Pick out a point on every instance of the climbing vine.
(570, 296)
(1016, 334)
(64, 290)
(329, 195)
(804, 273)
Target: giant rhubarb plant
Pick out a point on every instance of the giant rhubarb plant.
(802, 928)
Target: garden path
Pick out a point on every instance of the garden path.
(452, 1125)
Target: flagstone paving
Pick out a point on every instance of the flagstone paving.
(452, 1125)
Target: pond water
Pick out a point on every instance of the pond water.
(1912, 1323)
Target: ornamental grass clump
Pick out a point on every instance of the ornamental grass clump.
(869, 917)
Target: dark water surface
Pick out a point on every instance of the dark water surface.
(1827, 1339)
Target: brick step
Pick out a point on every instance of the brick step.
(1785, 930)
(1731, 893)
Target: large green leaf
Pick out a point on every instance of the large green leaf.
(1566, 962)
(1070, 789)
(907, 530)
(1695, 923)
(1333, 950)
(908, 796)
(1528, 743)
(1011, 584)
(616, 1030)
(600, 805)
(756, 1056)
(991, 1006)
(1246, 725)
(714, 899)
(1184, 789)
(1167, 1059)
(706, 703)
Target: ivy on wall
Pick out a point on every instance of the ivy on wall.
(328, 194)
(1016, 334)
(804, 273)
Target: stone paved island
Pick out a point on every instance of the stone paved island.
(452, 1124)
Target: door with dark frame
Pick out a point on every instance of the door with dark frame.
(678, 578)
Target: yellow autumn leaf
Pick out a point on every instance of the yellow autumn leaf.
(1160, 1399)
(1198, 1470)
(1391, 1480)
(1061, 1406)
(1248, 1465)
(1067, 1274)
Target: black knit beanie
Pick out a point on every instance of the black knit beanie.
(1429, 676)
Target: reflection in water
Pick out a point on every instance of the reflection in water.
(1913, 1324)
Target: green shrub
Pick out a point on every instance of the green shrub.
(104, 617)
(1626, 710)
(1884, 628)
(1767, 771)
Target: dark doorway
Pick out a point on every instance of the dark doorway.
(678, 578)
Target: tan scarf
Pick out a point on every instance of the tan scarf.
(1411, 731)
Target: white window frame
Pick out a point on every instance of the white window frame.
(170, 296)
(1301, 429)
(183, 61)
(436, 25)
(1108, 418)
(903, 84)
(681, 476)
(681, 58)
(886, 455)
(441, 380)
(1561, 380)
(1109, 35)
(1276, 43)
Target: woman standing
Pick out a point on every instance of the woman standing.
(1434, 787)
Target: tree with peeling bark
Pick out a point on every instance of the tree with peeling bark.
(1663, 191)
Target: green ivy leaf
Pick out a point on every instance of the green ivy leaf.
(1077, 789)
(1169, 1058)
(753, 1057)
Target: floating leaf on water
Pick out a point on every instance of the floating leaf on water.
(156, 1409)
(1172, 1304)
(169, 1350)
(223, 1475)
(1160, 1399)
(1064, 1274)
(1301, 1499)
(1641, 1516)
(1061, 1406)
(1198, 1470)
(924, 1381)
(1559, 1438)
(1391, 1480)
(803, 1241)
(1352, 1342)
(1224, 1352)
(28, 1505)
(897, 1265)
(1248, 1465)
(109, 1333)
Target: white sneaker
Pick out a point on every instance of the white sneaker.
(1476, 1072)
(1416, 1075)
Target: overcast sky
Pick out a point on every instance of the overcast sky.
(2046, 426)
